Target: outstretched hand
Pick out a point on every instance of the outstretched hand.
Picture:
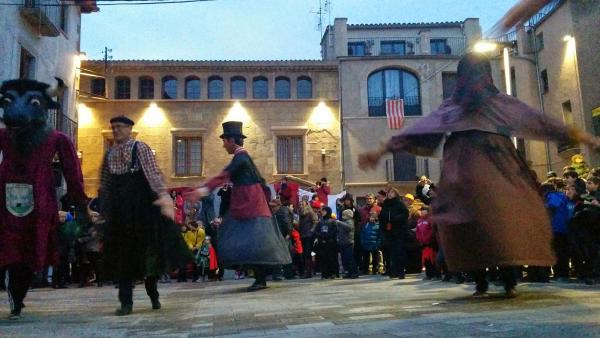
(196, 194)
(369, 160)
(167, 208)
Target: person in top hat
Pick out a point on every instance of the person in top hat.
(141, 240)
(248, 236)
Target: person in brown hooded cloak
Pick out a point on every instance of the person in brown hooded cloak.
(488, 209)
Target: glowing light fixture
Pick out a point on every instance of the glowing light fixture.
(485, 46)
(568, 38)
(85, 116)
(322, 116)
(154, 116)
(237, 113)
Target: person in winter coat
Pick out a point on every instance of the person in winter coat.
(557, 204)
(307, 224)
(323, 190)
(370, 241)
(393, 224)
(345, 241)
(326, 234)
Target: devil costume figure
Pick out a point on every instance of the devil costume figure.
(248, 235)
(488, 209)
(141, 239)
(29, 209)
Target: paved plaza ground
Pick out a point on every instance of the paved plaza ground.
(371, 306)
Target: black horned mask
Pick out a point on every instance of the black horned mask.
(26, 102)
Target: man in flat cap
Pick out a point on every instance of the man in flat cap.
(141, 240)
(248, 236)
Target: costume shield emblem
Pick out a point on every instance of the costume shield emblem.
(19, 199)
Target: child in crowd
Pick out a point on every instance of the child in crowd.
(296, 251)
(89, 247)
(345, 240)
(326, 234)
(557, 204)
(426, 236)
(370, 242)
(203, 258)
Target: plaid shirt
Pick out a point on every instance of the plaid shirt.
(118, 161)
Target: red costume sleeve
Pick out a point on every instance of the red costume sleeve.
(217, 181)
(71, 169)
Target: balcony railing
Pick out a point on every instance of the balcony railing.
(412, 106)
(538, 17)
(404, 46)
(63, 123)
(44, 15)
(406, 167)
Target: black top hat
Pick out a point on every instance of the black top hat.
(122, 119)
(232, 128)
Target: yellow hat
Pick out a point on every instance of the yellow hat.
(410, 197)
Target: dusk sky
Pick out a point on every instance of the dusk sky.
(254, 29)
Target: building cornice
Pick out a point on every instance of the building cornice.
(214, 66)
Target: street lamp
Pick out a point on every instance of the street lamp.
(484, 46)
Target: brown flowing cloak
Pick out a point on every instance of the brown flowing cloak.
(488, 209)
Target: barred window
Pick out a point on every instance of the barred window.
(188, 156)
(290, 155)
(97, 86)
(146, 88)
(304, 88)
(238, 87)
(192, 88)
(282, 88)
(215, 88)
(169, 88)
(260, 88)
(122, 88)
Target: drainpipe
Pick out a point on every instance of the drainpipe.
(541, 97)
(340, 109)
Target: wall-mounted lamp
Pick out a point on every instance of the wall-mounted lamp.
(80, 155)
(323, 154)
(153, 152)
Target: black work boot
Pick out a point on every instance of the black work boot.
(124, 310)
(155, 304)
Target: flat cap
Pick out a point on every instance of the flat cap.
(122, 119)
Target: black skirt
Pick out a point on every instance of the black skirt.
(139, 240)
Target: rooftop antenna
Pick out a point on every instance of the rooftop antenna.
(324, 9)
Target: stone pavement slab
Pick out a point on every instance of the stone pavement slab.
(371, 306)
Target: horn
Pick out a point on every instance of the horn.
(57, 89)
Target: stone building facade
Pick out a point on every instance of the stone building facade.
(555, 67)
(415, 62)
(40, 41)
(289, 109)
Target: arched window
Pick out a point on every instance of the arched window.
(304, 88)
(282, 88)
(97, 86)
(215, 88)
(169, 88)
(393, 83)
(146, 84)
(238, 87)
(122, 88)
(192, 88)
(260, 87)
